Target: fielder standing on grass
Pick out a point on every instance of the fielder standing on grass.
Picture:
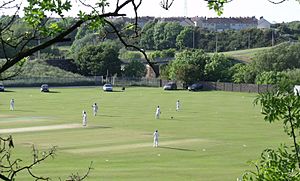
(84, 119)
(95, 108)
(12, 104)
(177, 105)
(157, 113)
(155, 138)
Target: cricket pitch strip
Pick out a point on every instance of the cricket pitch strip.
(40, 128)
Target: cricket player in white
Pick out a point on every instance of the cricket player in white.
(12, 104)
(157, 113)
(84, 119)
(95, 109)
(155, 138)
(177, 105)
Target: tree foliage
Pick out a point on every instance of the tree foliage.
(95, 15)
(188, 66)
(92, 14)
(156, 36)
(191, 66)
(274, 66)
(98, 60)
(271, 77)
(275, 164)
(163, 54)
(282, 57)
(165, 34)
(146, 39)
(130, 55)
(284, 163)
(79, 44)
(134, 69)
(217, 68)
(185, 38)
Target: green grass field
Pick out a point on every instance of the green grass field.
(246, 55)
(211, 138)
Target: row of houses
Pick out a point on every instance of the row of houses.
(214, 24)
(232, 23)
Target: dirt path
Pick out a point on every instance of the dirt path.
(133, 146)
(40, 128)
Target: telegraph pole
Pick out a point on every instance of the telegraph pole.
(216, 42)
(39, 52)
(193, 38)
(249, 41)
(272, 37)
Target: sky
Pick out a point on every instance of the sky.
(284, 12)
(275, 13)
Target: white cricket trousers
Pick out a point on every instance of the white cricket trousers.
(155, 142)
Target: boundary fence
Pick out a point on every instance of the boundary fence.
(125, 82)
(52, 81)
(227, 86)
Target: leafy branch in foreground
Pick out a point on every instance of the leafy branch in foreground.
(41, 31)
(282, 163)
(9, 167)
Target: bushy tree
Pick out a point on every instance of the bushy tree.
(185, 38)
(134, 69)
(79, 44)
(243, 73)
(98, 60)
(217, 68)
(146, 39)
(171, 31)
(271, 77)
(293, 76)
(188, 66)
(165, 34)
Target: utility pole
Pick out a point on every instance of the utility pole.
(106, 75)
(216, 42)
(249, 41)
(193, 38)
(39, 52)
(272, 37)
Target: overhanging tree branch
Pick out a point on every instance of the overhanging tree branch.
(279, 2)
(46, 44)
(132, 46)
(29, 51)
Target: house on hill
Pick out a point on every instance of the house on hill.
(222, 24)
(263, 23)
(183, 21)
(213, 24)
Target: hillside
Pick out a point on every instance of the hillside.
(38, 68)
(240, 55)
(245, 55)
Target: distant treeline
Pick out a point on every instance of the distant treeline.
(156, 35)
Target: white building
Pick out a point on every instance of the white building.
(263, 23)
